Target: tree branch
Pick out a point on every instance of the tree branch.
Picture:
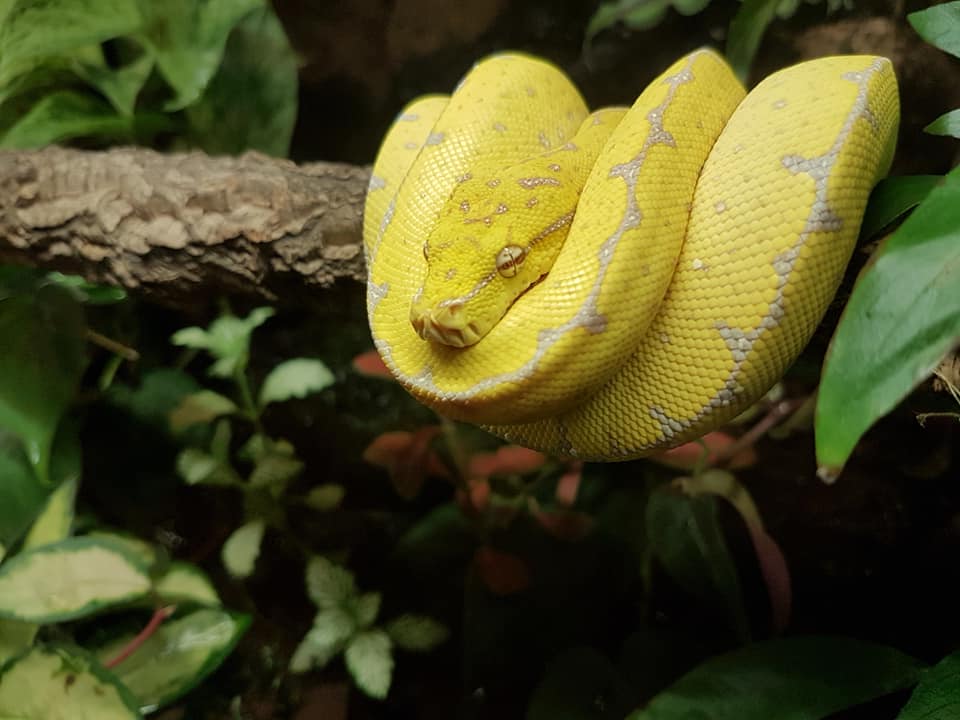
(183, 228)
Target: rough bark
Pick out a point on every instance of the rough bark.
(184, 227)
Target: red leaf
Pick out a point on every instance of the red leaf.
(386, 449)
(407, 457)
(502, 573)
(563, 524)
(569, 484)
(507, 460)
(370, 363)
(479, 496)
(686, 456)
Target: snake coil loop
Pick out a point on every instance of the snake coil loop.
(605, 285)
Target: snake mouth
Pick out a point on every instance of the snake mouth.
(442, 325)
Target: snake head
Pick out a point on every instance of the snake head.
(470, 284)
(496, 237)
(476, 270)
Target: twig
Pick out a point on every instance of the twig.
(127, 353)
(777, 413)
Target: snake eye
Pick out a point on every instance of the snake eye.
(426, 253)
(509, 259)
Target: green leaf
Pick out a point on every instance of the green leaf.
(370, 662)
(416, 632)
(53, 684)
(946, 124)
(684, 535)
(87, 292)
(31, 81)
(55, 522)
(902, 318)
(295, 378)
(39, 28)
(801, 678)
(227, 339)
(188, 39)
(366, 607)
(69, 579)
(746, 33)
(635, 14)
(275, 467)
(325, 497)
(185, 583)
(47, 510)
(51, 524)
(41, 363)
(200, 407)
(64, 115)
(198, 467)
(893, 197)
(251, 103)
(940, 26)
(177, 656)
(937, 697)
(324, 641)
(220, 444)
(690, 7)
(140, 549)
(119, 86)
(240, 551)
(255, 447)
(329, 585)
(22, 496)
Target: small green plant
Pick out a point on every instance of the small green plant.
(273, 461)
(215, 75)
(746, 28)
(50, 574)
(346, 623)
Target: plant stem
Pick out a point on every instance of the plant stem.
(117, 348)
(159, 615)
(246, 397)
(777, 413)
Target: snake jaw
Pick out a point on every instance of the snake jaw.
(444, 325)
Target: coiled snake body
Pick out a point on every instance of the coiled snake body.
(601, 286)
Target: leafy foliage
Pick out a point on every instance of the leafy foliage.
(345, 624)
(295, 379)
(907, 297)
(40, 320)
(274, 460)
(227, 340)
(241, 549)
(178, 656)
(937, 697)
(746, 28)
(120, 71)
(639, 14)
(50, 683)
(793, 679)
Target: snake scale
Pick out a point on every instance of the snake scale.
(603, 285)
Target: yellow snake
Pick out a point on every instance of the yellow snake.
(605, 285)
